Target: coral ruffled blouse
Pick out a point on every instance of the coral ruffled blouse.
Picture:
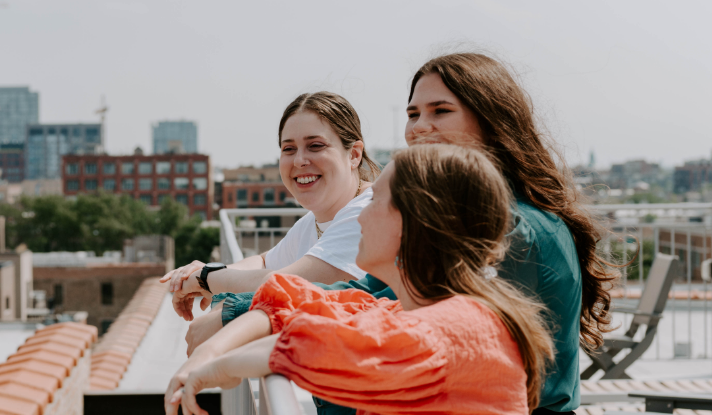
(453, 357)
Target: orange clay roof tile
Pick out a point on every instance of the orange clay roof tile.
(74, 326)
(109, 366)
(109, 359)
(107, 374)
(102, 384)
(13, 390)
(62, 349)
(59, 338)
(44, 356)
(112, 353)
(68, 331)
(18, 407)
(43, 368)
(34, 380)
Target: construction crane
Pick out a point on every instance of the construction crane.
(101, 111)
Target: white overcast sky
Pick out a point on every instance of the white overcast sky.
(626, 79)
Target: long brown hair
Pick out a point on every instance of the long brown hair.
(506, 116)
(343, 119)
(455, 209)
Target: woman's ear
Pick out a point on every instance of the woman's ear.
(356, 153)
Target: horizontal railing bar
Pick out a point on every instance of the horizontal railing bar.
(651, 206)
(265, 212)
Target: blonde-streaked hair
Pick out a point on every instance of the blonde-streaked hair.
(455, 209)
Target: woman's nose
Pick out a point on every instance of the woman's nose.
(422, 126)
(301, 159)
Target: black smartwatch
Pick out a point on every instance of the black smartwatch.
(207, 269)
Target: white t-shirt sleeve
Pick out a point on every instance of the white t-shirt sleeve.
(338, 246)
(287, 251)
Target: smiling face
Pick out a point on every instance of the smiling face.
(381, 229)
(435, 109)
(315, 167)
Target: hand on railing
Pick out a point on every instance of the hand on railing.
(178, 275)
(173, 395)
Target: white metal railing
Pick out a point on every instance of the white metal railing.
(272, 394)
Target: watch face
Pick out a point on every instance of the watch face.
(217, 265)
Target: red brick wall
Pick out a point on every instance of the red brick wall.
(229, 196)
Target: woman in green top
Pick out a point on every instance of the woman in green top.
(470, 99)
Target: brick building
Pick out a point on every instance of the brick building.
(255, 187)
(186, 178)
(692, 176)
(102, 290)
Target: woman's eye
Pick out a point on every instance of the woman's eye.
(316, 146)
(442, 111)
(287, 149)
(413, 114)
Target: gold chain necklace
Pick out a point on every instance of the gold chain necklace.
(319, 232)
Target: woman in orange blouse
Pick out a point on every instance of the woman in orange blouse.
(459, 340)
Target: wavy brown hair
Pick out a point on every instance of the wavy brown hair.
(343, 119)
(455, 209)
(506, 116)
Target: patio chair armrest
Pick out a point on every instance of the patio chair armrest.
(667, 401)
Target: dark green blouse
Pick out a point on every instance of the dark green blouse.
(543, 262)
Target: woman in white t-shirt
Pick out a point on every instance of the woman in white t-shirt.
(323, 163)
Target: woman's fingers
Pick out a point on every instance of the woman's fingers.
(167, 277)
(188, 401)
(170, 402)
(205, 302)
(185, 273)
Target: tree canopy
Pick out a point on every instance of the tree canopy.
(100, 222)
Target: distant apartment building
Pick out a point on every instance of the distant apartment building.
(185, 178)
(19, 107)
(630, 174)
(175, 137)
(692, 176)
(12, 162)
(47, 143)
(255, 187)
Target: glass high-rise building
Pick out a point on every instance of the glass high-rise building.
(175, 137)
(18, 108)
(47, 143)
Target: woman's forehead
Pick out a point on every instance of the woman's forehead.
(306, 125)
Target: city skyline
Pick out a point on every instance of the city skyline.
(620, 83)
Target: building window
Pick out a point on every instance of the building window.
(72, 168)
(163, 167)
(145, 167)
(90, 184)
(180, 183)
(242, 195)
(164, 184)
(72, 185)
(200, 167)
(200, 213)
(145, 184)
(163, 197)
(90, 168)
(105, 324)
(127, 168)
(181, 167)
(109, 168)
(147, 199)
(107, 293)
(268, 195)
(200, 183)
(199, 200)
(127, 184)
(7, 303)
(182, 199)
(58, 294)
(110, 184)
(255, 196)
(282, 196)
(229, 196)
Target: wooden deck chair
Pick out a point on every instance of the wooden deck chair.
(648, 313)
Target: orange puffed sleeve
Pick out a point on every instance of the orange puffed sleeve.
(376, 360)
(282, 295)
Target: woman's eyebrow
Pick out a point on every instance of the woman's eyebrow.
(309, 137)
(430, 104)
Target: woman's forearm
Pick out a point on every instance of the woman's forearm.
(237, 280)
(250, 360)
(247, 328)
(251, 262)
